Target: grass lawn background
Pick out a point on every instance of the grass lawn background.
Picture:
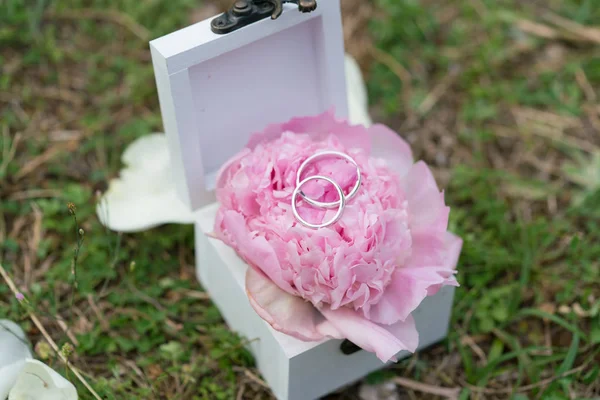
(500, 97)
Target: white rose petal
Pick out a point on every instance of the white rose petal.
(23, 378)
(14, 350)
(37, 381)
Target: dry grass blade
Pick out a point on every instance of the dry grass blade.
(537, 29)
(438, 92)
(447, 393)
(63, 325)
(386, 59)
(525, 388)
(36, 231)
(255, 378)
(468, 340)
(35, 194)
(143, 381)
(240, 393)
(40, 160)
(106, 15)
(103, 322)
(251, 376)
(8, 153)
(574, 28)
(47, 336)
(552, 126)
(194, 294)
(585, 85)
(564, 29)
(398, 69)
(60, 94)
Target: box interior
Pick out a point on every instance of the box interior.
(242, 91)
(217, 90)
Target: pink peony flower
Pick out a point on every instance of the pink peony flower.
(360, 278)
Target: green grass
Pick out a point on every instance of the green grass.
(76, 86)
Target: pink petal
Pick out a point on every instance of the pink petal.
(425, 202)
(433, 248)
(284, 312)
(256, 251)
(388, 145)
(407, 332)
(427, 249)
(408, 288)
(384, 341)
(453, 246)
(222, 173)
(318, 127)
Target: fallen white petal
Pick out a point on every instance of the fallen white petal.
(381, 391)
(37, 381)
(358, 102)
(137, 152)
(144, 195)
(14, 350)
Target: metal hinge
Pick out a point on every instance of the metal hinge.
(245, 12)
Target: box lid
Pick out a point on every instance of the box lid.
(215, 90)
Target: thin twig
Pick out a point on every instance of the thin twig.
(398, 69)
(35, 163)
(79, 242)
(525, 388)
(449, 393)
(438, 92)
(47, 336)
(584, 32)
(63, 325)
(476, 349)
(240, 393)
(252, 377)
(102, 205)
(103, 322)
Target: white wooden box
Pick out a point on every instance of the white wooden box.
(294, 369)
(215, 91)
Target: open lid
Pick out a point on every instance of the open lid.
(215, 90)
